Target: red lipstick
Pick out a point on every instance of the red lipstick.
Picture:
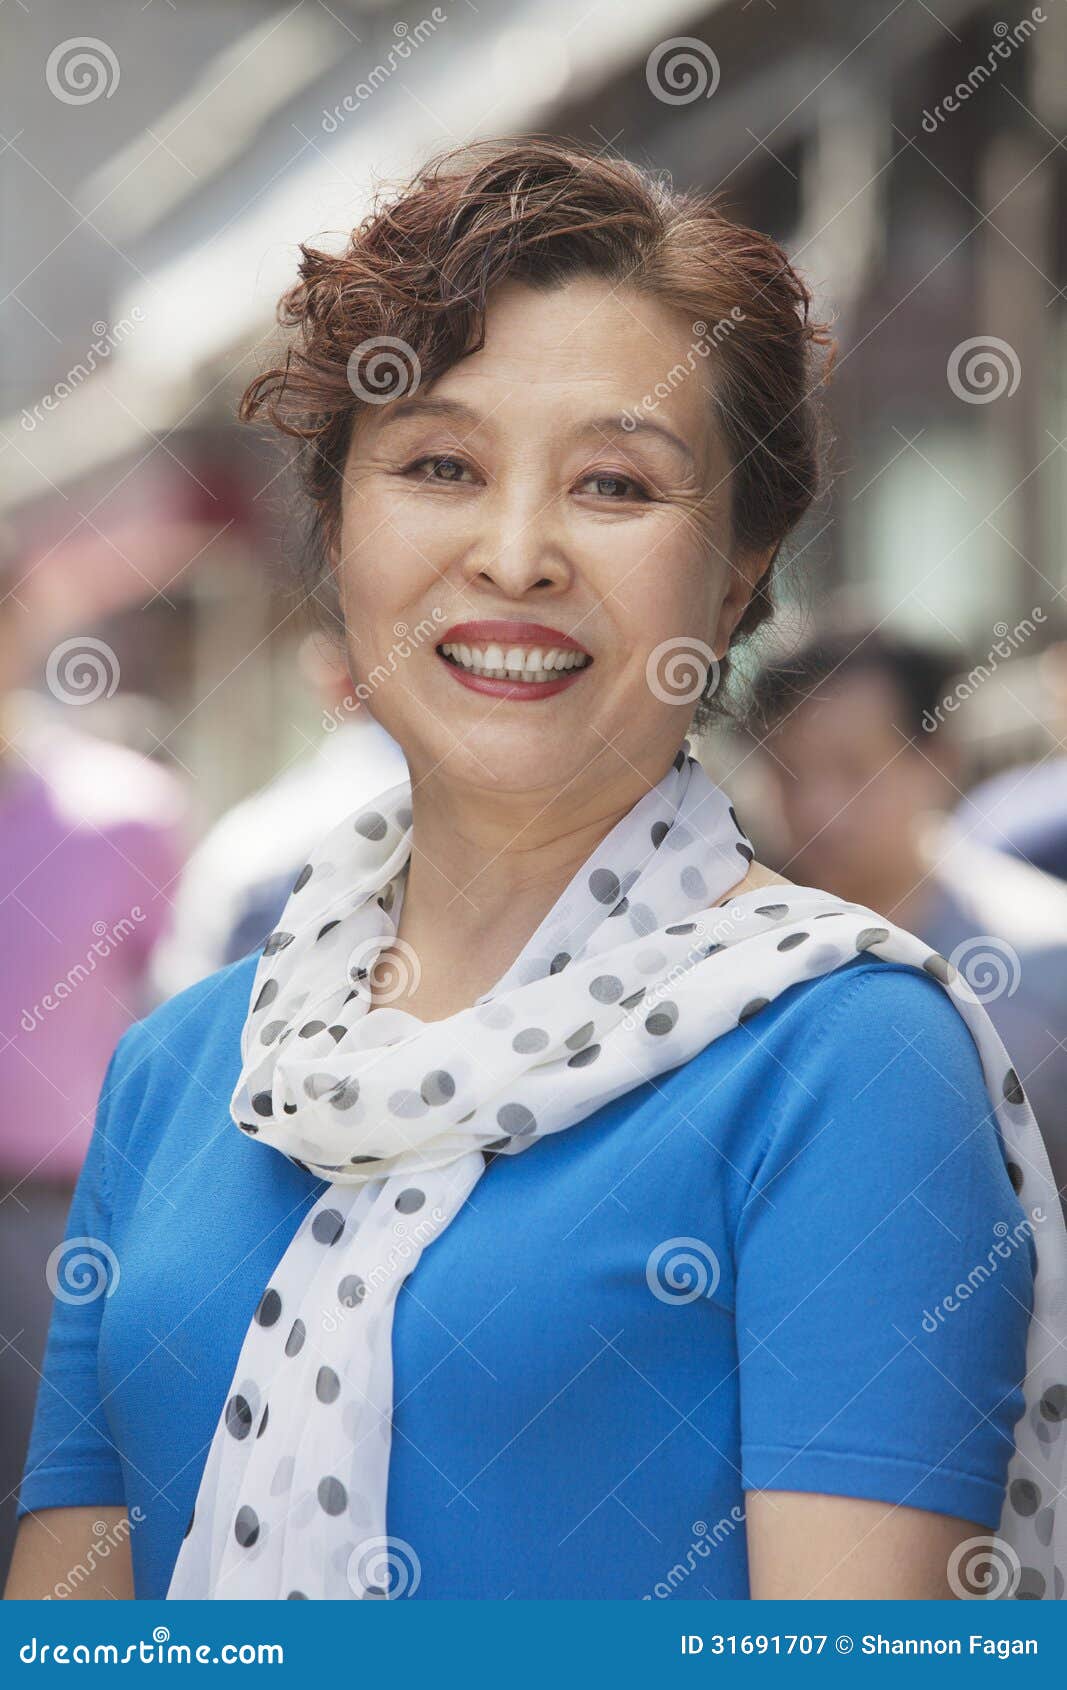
(511, 633)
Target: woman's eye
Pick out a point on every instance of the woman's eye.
(616, 487)
(438, 468)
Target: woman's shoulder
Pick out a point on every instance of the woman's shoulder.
(190, 1036)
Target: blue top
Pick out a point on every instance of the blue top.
(560, 1430)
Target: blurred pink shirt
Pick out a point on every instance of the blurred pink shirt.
(91, 840)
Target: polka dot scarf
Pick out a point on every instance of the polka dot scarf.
(636, 968)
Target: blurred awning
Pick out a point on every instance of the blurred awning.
(195, 320)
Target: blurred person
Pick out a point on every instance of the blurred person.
(537, 1050)
(1023, 810)
(867, 773)
(235, 884)
(91, 839)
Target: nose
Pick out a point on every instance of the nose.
(519, 545)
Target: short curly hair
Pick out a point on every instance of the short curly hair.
(541, 210)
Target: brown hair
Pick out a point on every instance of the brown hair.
(541, 210)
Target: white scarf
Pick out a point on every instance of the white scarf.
(630, 973)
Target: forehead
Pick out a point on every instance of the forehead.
(587, 346)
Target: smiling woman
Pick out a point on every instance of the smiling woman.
(556, 1177)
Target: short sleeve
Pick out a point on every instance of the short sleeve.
(884, 1264)
(71, 1459)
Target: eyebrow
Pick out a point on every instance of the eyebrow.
(404, 409)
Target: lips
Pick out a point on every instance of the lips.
(495, 639)
(528, 634)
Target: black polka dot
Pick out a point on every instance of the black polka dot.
(296, 1596)
(351, 1290)
(530, 1041)
(663, 1019)
(752, 1008)
(270, 1307)
(327, 1226)
(559, 962)
(939, 967)
(1054, 1403)
(791, 941)
(605, 887)
(745, 852)
(516, 1119)
(322, 932)
(344, 1094)
(238, 1417)
(1031, 1586)
(620, 908)
(581, 1035)
(263, 1103)
(337, 1033)
(327, 1385)
(295, 1341)
(1013, 1090)
(628, 1003)
(1025, 1496)
(410, 1200)
(277, 942)
(246, 1527)
(582, 1058)
(333, 1498)
(267, 995)
(371, 824)
(270, 1032)
(606, 988)
(871, 936)
(189, 1527)
(773, 912)
(311, 1028)
(437, 1087)
(262, 1427)
(1015, 1174)
(302, 878)
(659, 832)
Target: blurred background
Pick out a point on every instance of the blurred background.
(171, 738)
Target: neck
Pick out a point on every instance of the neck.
(488, 867)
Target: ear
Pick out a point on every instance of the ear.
(746, 571)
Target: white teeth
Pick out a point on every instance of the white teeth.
(514, 662)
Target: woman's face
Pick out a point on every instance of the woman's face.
(510, 490)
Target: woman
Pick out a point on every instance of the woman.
(621, 1182)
